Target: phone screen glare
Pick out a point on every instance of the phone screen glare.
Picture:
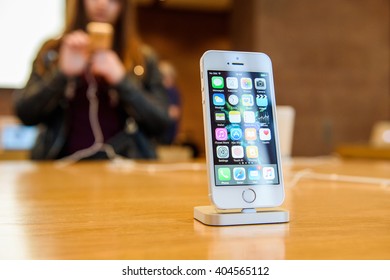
(243, 135)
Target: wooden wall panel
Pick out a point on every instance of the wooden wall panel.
(331, 62)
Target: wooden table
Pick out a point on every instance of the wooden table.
(127, 210)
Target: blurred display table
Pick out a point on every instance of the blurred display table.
(125, 210)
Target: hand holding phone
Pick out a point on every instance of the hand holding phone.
(104, 61)
(242, 145)
(74, 53)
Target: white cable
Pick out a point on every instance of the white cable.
(308, 174)
(94, 109)
(98, 144)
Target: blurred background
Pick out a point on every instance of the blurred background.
(331, 58)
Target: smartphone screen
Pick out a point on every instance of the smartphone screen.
(242, 124)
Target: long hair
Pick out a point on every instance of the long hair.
(126, 42)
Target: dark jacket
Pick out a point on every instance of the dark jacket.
(43, 102)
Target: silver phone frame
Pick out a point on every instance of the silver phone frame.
(231, 197)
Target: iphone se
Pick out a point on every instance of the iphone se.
(241, 134)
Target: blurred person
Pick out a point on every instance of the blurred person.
(95, 104)
(169, 76)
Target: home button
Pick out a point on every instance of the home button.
(249, 195)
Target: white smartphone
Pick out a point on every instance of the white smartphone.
(241, 134)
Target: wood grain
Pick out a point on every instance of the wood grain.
(126, 210)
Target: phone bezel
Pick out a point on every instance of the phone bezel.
(231, 197)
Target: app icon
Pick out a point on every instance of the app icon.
(233, 99)
(249, 117)
(224, 174)
(221, 134)
(218, 99)
(217, 82)
(246, 83)
(219, 116)
(253, 173)
(239, 173)
(250, 134)
(268, 173)
(252, 152)
(265, 134)
(232, 82)
(264, 119)
(260, 83)
(222, 151)
(247, 100)
(261, 100)
(235, 134)
(234, 117)
(237, 152)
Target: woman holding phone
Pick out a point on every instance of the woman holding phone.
(94, 103)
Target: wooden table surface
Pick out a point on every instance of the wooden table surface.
(125, 210)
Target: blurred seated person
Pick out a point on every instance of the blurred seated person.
(87, 101)
(169, 80)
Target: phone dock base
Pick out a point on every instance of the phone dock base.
(211, 216)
